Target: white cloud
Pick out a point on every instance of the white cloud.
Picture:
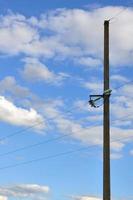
(88, 135)
(15, 34)
(127, 90)
(122, 107)
(9, 85)
(89, 62)
(3, 198)
(82, 30)
(83, 106)
(116, 156)
(89, 197)
(93, 86)
(119, 78)
(27, 191)
(34, 70)
(79, 129)
(83, 33)
(51, 110)
(131, 152)
(95, 118)
(86, 198)
(19, 116)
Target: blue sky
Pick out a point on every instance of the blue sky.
(51, 60)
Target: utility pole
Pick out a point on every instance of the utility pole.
(106, 118)
(106, 115)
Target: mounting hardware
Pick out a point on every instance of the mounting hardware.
(107, 92)
(95, 98)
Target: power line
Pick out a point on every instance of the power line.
(56, 155)
(40, 143)
(35, 145)
(51, 140)
(36, 124)
(44, 142)
(26, 129)
(20, 131)
(53, 156)
(120, 12)
(127, 83)
(116, 88)
(46, 157)
(122, 118)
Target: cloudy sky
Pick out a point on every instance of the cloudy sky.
(51, 60)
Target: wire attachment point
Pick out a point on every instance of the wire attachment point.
(107, 92)
(95, 98)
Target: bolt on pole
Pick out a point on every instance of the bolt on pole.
(106, 118)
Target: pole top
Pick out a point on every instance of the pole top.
(106, 21)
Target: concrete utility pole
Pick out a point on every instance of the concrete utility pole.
(106, 118)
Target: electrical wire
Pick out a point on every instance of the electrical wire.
(50, 140)
(26, 129)
(20, 131)
(41, 122)
(58, 155)
(34, 145)
(46, 158)
(116, 88)
(46, 141)
(120, 12)
(52, 156)
(127, 83)
(40, 143)
(122, 118)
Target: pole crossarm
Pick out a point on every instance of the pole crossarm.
(94, 98)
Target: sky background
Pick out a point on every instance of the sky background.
(51, 60)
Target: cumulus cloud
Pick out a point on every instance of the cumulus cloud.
(93, 86)
(26, 191)
(122, 105)
(65, 124)
(44, 37)
(118, 78)
(87, 134)
(89, 62)
(9, 85)
(34, 70)
(19, 116)
(82, 30)
(15, 30)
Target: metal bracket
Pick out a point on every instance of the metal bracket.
(94, 98)
(107, 93)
